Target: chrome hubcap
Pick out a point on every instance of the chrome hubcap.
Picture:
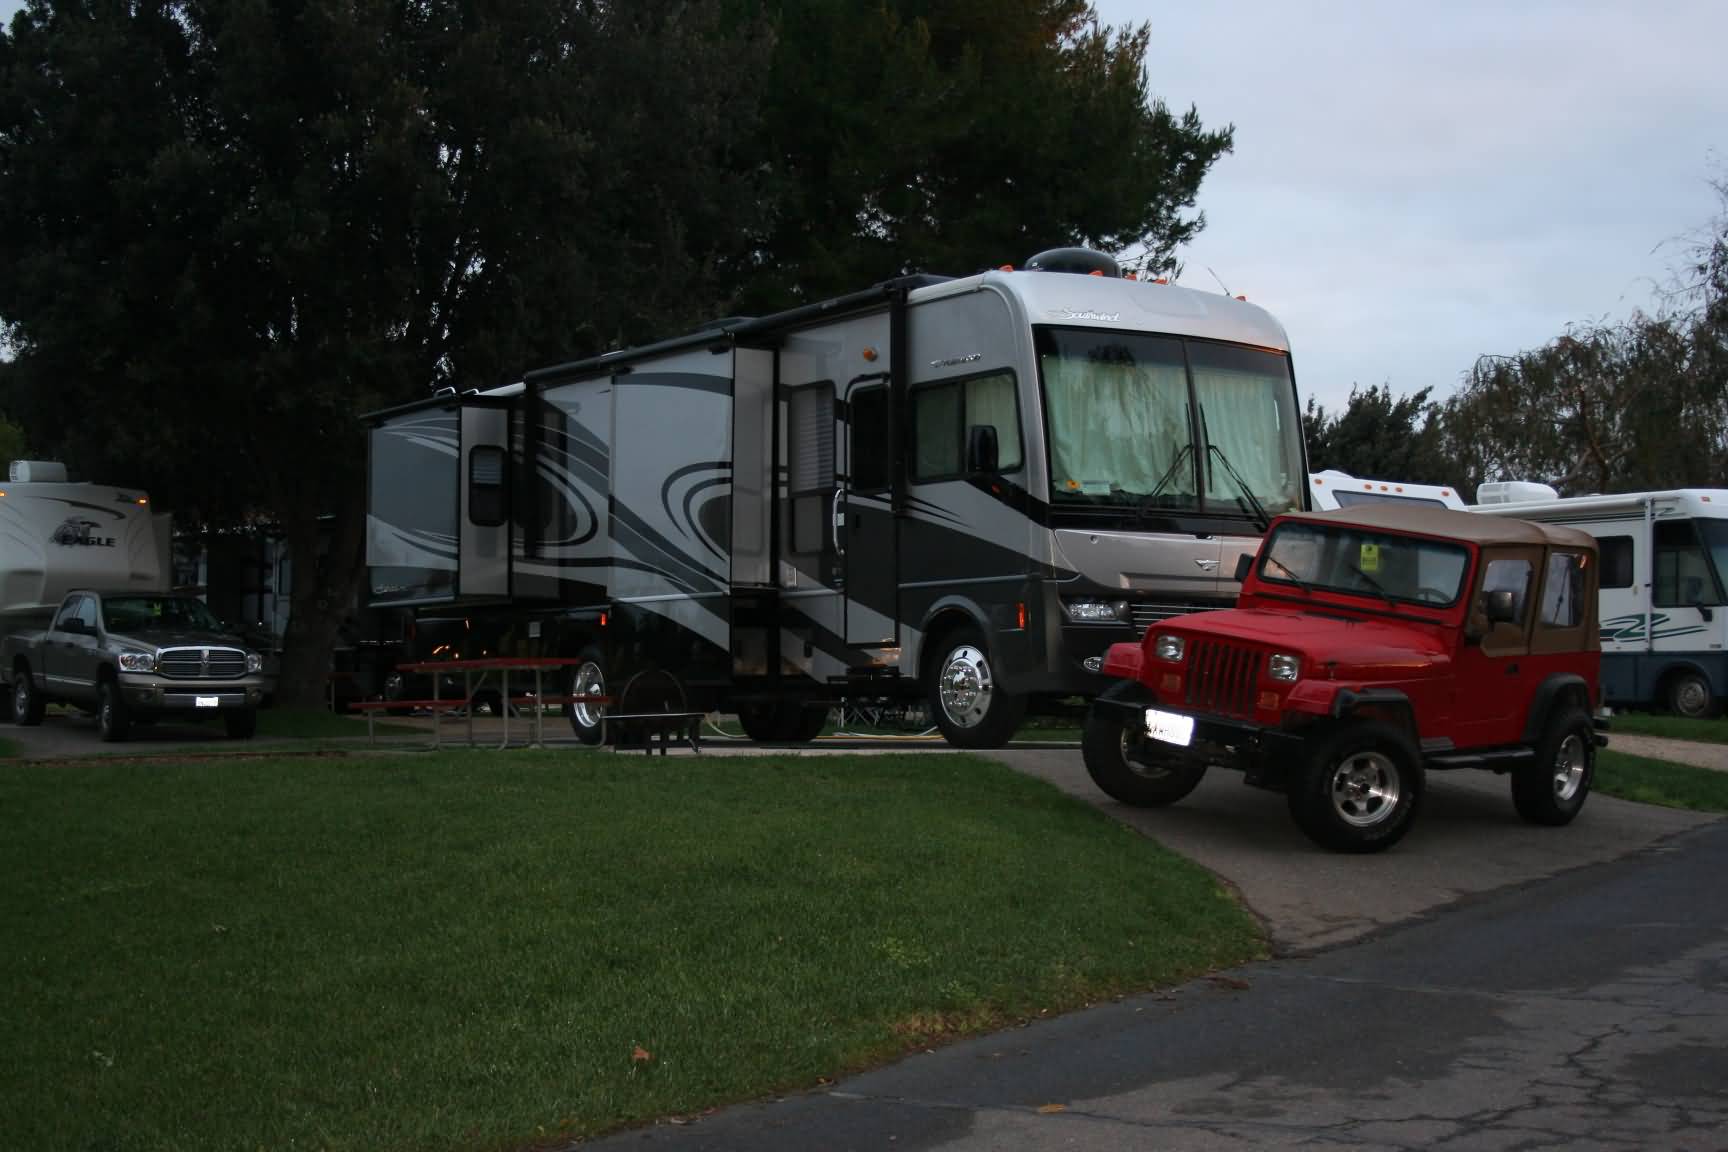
(966, 686)
(1692, 697)
(1365, 789)
(1569, 768)
(588, 681)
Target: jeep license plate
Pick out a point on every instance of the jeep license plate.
(1170, 727)
(213, 702)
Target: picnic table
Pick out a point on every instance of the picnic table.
(485, 667)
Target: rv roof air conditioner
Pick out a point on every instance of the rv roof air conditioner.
(1513, 492)
(37, 472)
(1080, 261)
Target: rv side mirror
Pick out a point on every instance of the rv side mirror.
(1499, 608)
(1244, 565)
(981, 455)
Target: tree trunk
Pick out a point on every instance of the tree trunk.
(328, 562)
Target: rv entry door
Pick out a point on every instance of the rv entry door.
(864, 528)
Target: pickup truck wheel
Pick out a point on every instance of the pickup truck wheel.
(27, 703)
(967, 702)
(1359, 790)
(1551, 788)
(112, 723)
(242, 723)
(1121, 763)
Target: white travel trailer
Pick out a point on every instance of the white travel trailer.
(56, 535)
(1333, 489)
(964, 489)
(1663, 609)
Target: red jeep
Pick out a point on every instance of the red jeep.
(1370, 645)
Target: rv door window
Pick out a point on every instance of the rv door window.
(1616, 561)
(1684, 575)
(868, 451)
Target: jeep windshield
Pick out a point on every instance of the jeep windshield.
(1140, 423)
(158, 614)
(1359, 562)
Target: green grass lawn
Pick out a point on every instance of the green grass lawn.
(1660, 782)
(8, 748)
(468, 951)
(1674, 727)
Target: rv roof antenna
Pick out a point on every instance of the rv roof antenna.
(1218, 278)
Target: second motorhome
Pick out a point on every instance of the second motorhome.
(964, 489)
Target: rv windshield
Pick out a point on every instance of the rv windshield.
(1122, 409)
(158, 614)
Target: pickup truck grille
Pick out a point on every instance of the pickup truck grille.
(1221, 678)
(201, 663)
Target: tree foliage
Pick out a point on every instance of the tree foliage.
(1379, 436)
(231, 227)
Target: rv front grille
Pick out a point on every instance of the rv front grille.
(1146, 614)
(1221, 678)
(201, 663)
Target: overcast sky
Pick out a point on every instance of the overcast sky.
(1414, 185)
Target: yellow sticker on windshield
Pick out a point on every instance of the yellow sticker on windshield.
(1370, 558)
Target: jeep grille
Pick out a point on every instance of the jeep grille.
(1221, 677)
(202, 663)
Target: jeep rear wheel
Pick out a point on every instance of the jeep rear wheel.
(1126, 765)
(1359, 790)
(1551, 789)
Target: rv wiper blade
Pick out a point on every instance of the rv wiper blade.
(1145, 503)
(1248, 499)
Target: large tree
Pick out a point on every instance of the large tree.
(230, 227)
(1379, 436)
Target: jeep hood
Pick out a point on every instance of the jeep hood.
(1352, 646)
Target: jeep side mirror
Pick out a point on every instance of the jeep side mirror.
(1500, 607)
(1244, 566)
(981, 452)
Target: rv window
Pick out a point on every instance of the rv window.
(1616, 561)
(941, 414)
(1563, 592)
(936, 432)
(486, 486)
(1683, 571)
(810, 420)
(990, 401)
(868, 443)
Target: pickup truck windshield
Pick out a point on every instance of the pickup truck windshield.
(1364, 563)
(158, 614)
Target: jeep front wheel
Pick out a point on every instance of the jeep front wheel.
(1551, 789)
(1120, 762)
(1359, 790)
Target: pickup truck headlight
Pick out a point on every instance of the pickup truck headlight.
(1095, 611)
(254, 662)
(1284, 666)
(137, 661)
(1170, 648)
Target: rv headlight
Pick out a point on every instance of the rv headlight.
(137, 661)
(254, 662)
(1170, 648)
(1284, 666)
(1095, 611)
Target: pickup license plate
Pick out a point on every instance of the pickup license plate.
(1170, 727)
(213, 702)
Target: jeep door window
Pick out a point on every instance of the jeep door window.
(1509, 575)
(1358, 562)
(1248, 411)
(1688, 572)
(1563, 591)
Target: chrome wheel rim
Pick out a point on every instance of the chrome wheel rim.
(966, 687)
(1139, 768)
(21, 698)
(1365, 789)
(105, 711)
(1569, 762)
(588, 681)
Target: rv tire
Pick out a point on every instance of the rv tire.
(967, 702)
(587, 679)
(1688, 694)
(781, 721)
(27, 703)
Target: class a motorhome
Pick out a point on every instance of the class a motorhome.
(56, 535)
(961, 489)
(1333, 489)
(1664, 611)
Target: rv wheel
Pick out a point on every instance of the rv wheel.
(1689, 695)
(587, 679)
(781, 721)
(968, 705)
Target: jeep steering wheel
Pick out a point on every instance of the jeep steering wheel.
(1433, 596)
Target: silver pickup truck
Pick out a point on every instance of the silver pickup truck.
(127, 657)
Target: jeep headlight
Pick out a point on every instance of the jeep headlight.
(1170, 648)
(1284, 666)
(254, 662)
(1092, 611)
(137, 661)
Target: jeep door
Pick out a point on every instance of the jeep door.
(1494, 679)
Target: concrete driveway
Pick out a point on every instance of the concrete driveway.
(1466, 842)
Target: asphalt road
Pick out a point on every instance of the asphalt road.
(1586, 1012)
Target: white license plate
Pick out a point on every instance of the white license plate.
(208, 702)
(1170, 727)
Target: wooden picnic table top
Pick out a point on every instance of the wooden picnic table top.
(492, 663)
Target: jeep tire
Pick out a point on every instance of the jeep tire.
(1148, 781)
(1551, 789)
(1359, 789)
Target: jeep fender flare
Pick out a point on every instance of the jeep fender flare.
(1337, 703)
(1548, 696)
(1124, 660)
